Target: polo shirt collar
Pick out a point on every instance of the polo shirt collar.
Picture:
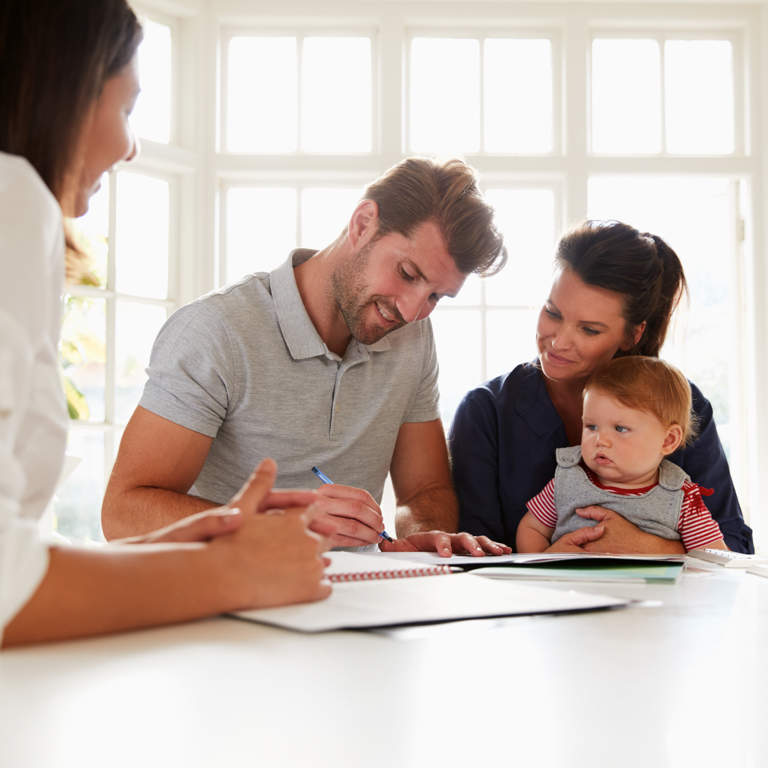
(301, 336)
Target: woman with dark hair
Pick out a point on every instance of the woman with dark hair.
(68, 81)
(614, 293)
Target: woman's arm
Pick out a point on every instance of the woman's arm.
(620, 537)
(706, 464)
(473, 445)
(252, 560)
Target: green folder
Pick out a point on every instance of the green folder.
(589, 569)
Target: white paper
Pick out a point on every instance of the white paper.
(418, 600)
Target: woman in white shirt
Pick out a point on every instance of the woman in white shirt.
(63, 123)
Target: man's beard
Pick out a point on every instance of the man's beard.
(350, 293)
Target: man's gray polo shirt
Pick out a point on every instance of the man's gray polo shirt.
(246, 366)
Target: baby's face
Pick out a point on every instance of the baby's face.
(621, 445)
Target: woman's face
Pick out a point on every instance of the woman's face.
(106, 139)
(580, 328)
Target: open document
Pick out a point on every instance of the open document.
(402, 601)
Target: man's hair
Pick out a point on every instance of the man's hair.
(417, 190)
(55, 56)
(651, 385)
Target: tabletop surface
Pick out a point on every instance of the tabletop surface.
(678, 678)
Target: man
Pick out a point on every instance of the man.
(327, 361)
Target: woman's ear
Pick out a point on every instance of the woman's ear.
(672, 440)
(363, 224)
(633, 338)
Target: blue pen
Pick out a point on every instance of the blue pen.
(327, 480)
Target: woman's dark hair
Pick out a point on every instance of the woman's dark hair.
(55, 56)
(638, 265)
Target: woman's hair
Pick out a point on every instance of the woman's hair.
(651, 385)
(640, 266)
(55, 56)
(418, 190)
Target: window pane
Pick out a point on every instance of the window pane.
(136, 326)
(151, 118)
(83, 355)
(526, 217)
(457, 340)
(626, 96)
(699, 96)
(141, 235)
(262, 93)
(510, 338)
(77, 503)
(336, 96)
(261, 229)
(518, 96)
(445, 95)
(325, 211)
(702, 342)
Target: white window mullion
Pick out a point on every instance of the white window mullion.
(663, 92)
(481, 42)
(576, 54)
(299, 207)
(483, 332)
(739, 373)
(111, 305)
(299, 91)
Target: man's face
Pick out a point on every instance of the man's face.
(394, 280)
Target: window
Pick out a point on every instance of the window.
(465, 98)
(305, 93)
(663, 95)
(121, 287)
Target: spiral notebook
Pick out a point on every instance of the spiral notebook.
(356, 566)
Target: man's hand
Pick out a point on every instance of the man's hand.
(621, 537)
(353, 513)
(446, 544)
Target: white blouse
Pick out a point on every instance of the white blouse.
(33, 420)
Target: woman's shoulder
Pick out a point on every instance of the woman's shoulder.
(522, 381)
(521, 377)
(700, 405)
(29, 213)
(20, 182)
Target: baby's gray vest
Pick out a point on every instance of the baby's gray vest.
(656, 511)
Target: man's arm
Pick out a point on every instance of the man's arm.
(427, 510)
(156, 465)
(159, 461)
(421, 478)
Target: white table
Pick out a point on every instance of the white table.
(678, 682)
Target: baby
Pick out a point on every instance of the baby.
(636, 411)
